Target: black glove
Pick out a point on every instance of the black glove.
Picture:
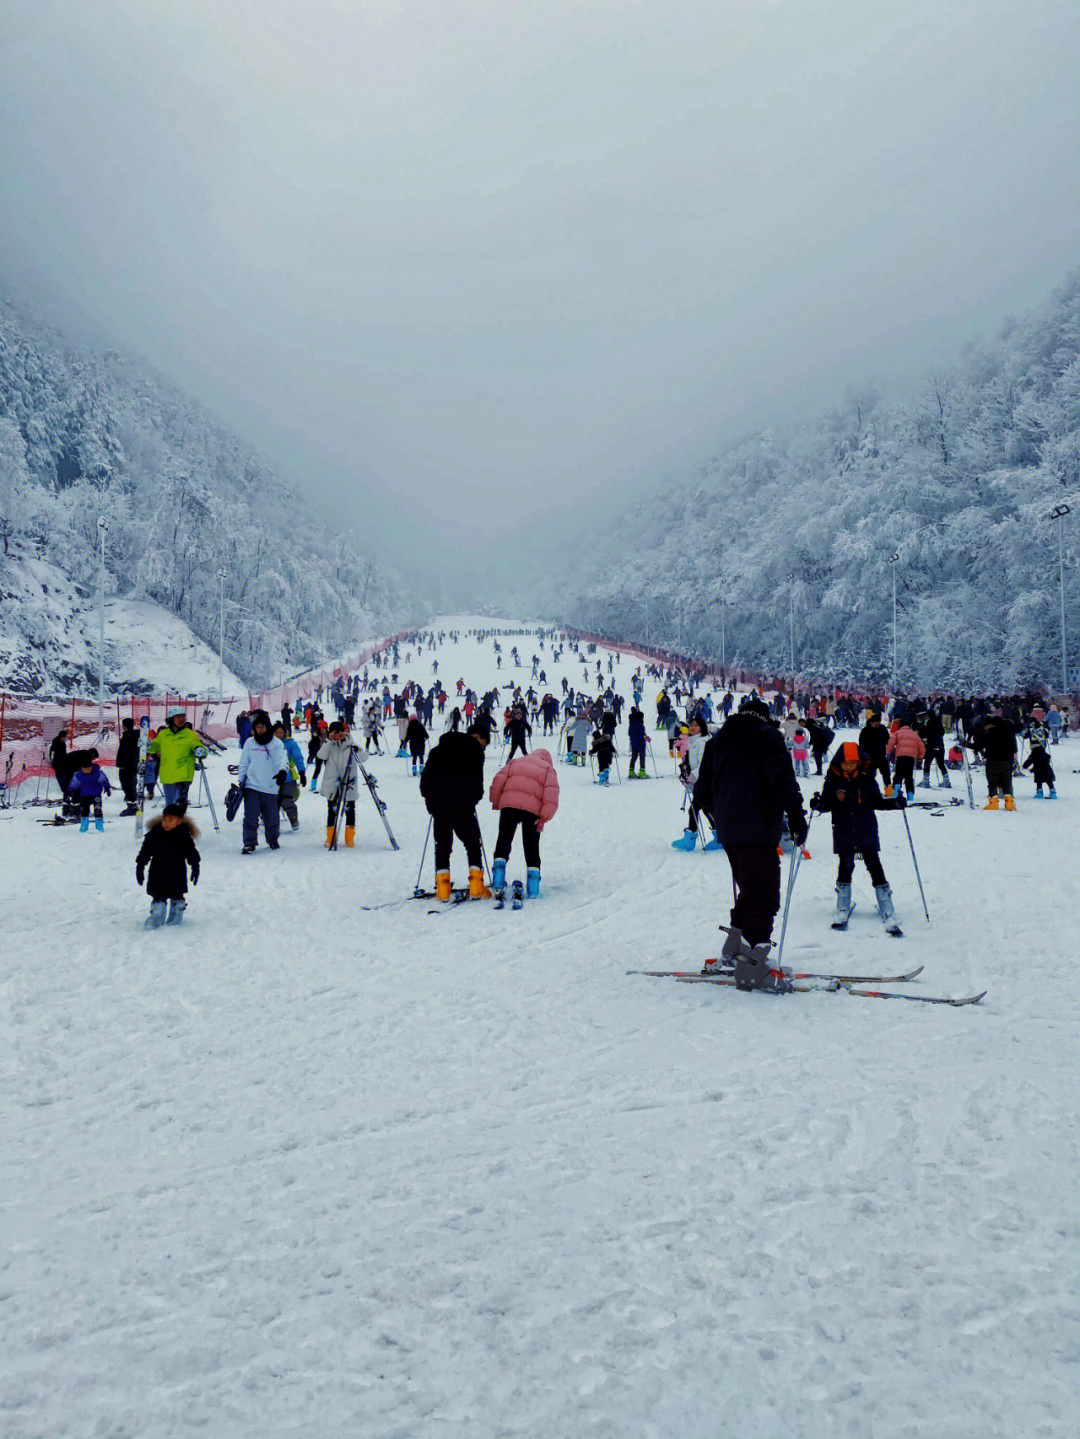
(815, 802)
(900, 800)
(798, 830)
(281, 776)
(140, 873)
(194, 874)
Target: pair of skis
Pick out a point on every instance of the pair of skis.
(892, 928)
(809, 981)
(356, 765)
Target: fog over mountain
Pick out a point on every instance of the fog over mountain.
(464, 272)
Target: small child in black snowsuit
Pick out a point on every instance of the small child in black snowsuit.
(1042, 771)
(603, 747)
(168, 848)
(851, 795)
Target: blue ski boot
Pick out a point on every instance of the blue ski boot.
(498, 874)
(84, 824)
(532, 884)
(688, 841)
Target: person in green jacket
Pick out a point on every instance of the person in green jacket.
(177, 747)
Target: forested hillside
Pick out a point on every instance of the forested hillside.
(86, 433)
(958, 483)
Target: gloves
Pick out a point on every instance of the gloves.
(815, 803)
(303, 780)
(281, 776)
(901, 800)
(140, 873)
(888, 791)
(798, 830)
(194, 874)
(201, 752)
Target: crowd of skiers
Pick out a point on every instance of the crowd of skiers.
(739, 762)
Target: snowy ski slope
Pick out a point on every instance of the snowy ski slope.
(302, 1168)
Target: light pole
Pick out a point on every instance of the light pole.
(221, 638)
(894, 560)
(103, 530)
(723, 635)
(791, 619)
(1058, 513)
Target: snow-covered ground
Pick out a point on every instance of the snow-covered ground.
(301, 1167)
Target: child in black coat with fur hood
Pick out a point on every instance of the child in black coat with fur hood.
(168, 848)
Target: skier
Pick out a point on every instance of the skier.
(452, 785)
(263, 769)
(746, 783)
(526, 793)
(86, 787)
(297, 780)
(127, 763)
(603, 748)
(168, 848)
(691, 748)
(336, 756)
(516, 729)
(932, 733)
(906, 749)
(851, 795)
(416, 738)
(635, 723)
(1042, 771)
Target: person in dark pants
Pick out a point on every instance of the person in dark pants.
(636, 727)
(526, 793)
(263, 769)
(998, 745)
(452, 785)
(874, 743)
(850, 794)
(747, 784)
(127, 763)
(416, 738)
(516, 731)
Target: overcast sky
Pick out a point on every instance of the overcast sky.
(466, 262)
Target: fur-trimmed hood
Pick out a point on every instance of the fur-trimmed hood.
(188, 824)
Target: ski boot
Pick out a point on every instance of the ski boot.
(946, 783)
(751, 963)
(924, 783)
(350, 836)
(498, 874)
(99, 825)
(1053, 793)
(477, 888)
(883, 895)
(414, 770)
(688, 841)
(843, 901)
(84, 824)
(443, 886)
(1038, 792)
(1010, 803)
(713, 846)
(176, 911)
(992, 802)
(604, 777)
(156, 918)
(532, 884)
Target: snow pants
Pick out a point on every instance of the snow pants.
(517, 743)
(260, 806)
(467, 829)
(509, 819)
(177, 793)
(904, 770)
(999, 776)
(84, 806)
(845, 866)
(637, 754)
(935, 755)
(755, 871)
(128, 780)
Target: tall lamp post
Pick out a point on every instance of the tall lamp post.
(103, 530)
(791, 621)
(221, 637)
(1058, 513)
(894, 560)
(723, 635)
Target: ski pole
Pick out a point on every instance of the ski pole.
(423, 856)
(618, 771)
(915, 862)
(793, 870)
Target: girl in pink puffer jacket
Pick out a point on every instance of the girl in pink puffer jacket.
(525, 792)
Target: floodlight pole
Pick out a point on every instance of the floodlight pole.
(791, 621)
(221, 638)
(1058, 513)
(894, 560)
(103, 530)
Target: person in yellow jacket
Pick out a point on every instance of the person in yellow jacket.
(177, 747)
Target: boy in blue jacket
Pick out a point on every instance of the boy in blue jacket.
(86, 787)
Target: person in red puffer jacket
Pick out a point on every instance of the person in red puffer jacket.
(526, 793)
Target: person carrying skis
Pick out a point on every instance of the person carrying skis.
(1042, 771)
(526, 793)
(747, 784)
(339, 782)
(297, 780)
(851, 795)
(86, 787)
(452, 785)
(168, 848)
(263, 769)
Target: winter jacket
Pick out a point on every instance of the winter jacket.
(603, 747)
(168, 853)
(176, 754)
(127, 751)
(335, 755)
(690, 748)
(905, 744)
(874, 742)
(295, 756)
(528, 783)
(747, 784)
(416, 737)
(1038, 762)
(453, 778)
(260, 765)
(636, 726)
(89, 786)
(579, 732)
(852, 804)
(998, 739)
(800, 745)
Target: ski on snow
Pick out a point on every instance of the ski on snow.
(828, 986)
(710, 970)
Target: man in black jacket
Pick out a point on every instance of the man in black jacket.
(452, 785)
(874, 741)
(127, 763)
(747, 784)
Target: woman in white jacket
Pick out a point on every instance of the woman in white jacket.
(337, 760)
(263, 769)
(690, 747)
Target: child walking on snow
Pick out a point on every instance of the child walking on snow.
(168, 848)
(86, 787)
(851, 795)
(1042, 771)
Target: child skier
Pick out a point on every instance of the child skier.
(1042, 771)
(168, 848)
(86, 787)
(691, 747)
(851, 795)
(603, 747)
